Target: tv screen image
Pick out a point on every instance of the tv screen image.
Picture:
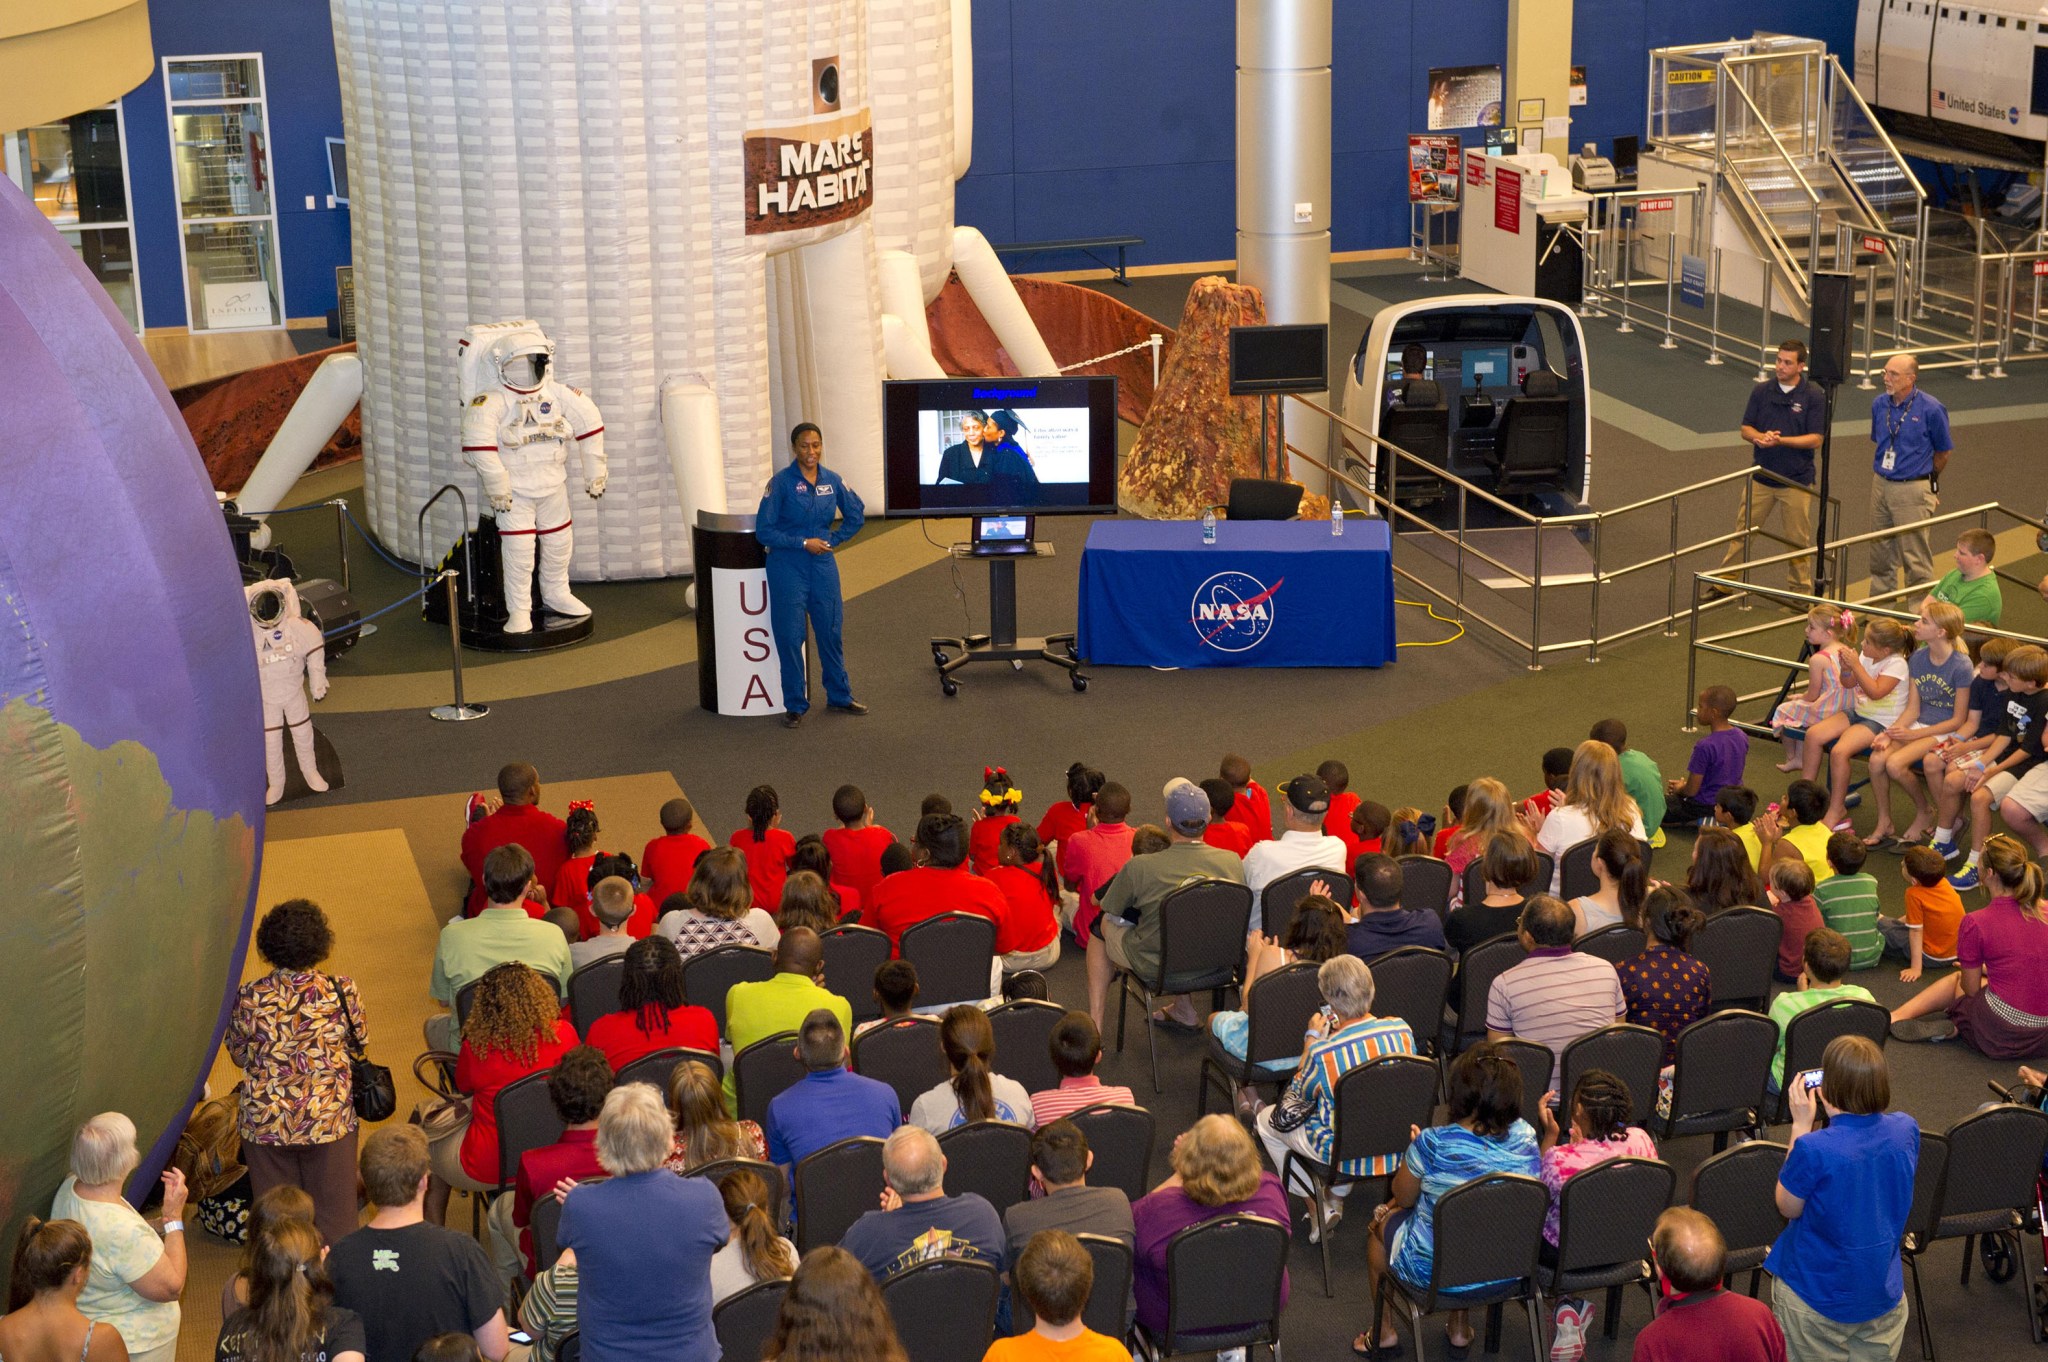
(995, 446)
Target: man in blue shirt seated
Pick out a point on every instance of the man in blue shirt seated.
(831, 1103)
(918, 1222)
(1383, 924)
(1910, 431)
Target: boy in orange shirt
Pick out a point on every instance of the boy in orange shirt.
(1054, 1275)
(1927, 934)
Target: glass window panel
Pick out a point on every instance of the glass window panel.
(109, 254)
(216, 78)
(230, 275)
(96, 166)
(218, 151)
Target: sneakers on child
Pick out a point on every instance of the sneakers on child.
(1964, 880)
(1574, 1322)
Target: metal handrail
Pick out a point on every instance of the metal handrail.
(1841, 81)
(468, 548)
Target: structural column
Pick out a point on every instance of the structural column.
(1539, 66)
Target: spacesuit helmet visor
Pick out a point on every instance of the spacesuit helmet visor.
(267, 608)
(525, 364)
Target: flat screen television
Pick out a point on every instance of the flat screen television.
(1279, 359)
(998, 446)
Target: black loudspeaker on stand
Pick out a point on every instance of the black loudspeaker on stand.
(1833, 299)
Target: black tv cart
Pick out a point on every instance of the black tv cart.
(1001, 643)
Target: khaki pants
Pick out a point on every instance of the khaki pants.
(501, 1236)
(1812, 1337)
(1765, 498)
(1900, 503)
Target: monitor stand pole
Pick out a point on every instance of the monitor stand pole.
(1001, 643)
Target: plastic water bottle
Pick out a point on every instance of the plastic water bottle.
(1209, 526)
(1336, 517)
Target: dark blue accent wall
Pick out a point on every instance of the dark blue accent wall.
(1117, 117)
(297, 42)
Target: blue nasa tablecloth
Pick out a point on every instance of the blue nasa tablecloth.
(1274, 593)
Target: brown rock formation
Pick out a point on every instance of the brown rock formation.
(233, 419)
(1077, 323)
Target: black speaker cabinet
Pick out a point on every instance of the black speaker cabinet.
(1834, 300)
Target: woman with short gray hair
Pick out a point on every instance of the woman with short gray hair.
(135, 1277)
(643, 1224)
(1342, 1036)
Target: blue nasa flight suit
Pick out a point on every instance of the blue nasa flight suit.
(801, 583)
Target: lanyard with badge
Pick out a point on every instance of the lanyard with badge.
(1894, 416)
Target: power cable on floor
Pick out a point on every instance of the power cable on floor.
(1433, 642)
(952, 563)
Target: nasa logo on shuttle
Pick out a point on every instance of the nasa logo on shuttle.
(1233, 612)
(2012, 115)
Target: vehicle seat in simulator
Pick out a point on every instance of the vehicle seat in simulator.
(1535, 436)
(1419, 424)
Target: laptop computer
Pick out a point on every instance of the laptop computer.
(996, 536)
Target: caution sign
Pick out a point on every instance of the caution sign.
(1689, 77)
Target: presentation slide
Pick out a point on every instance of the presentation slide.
(999, 446)
(964, 447)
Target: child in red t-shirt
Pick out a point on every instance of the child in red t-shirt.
(1557, 769)
(1791, 896)
(668, 860)
(1028, 936)
(1070, 815)
(766, 846)
(995, 809)
(1224, 833)
(1368, 831)
(857, 844)
(1337, 821)
(1251, 808)
(571, 888)
(1454, 814)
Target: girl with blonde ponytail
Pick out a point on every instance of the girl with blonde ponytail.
(757, 1252)
(1595, 801)
(291, 1315)
(1997, 1001)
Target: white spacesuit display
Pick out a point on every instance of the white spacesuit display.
(517, 436)
(289, 652)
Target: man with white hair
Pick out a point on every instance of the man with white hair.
(1910, 432)
(643, 1225)
(918, 1222)
(135, 1278)
(1344, 1035)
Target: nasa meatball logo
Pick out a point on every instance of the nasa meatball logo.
(1233, 611)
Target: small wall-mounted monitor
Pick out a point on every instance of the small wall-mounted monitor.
(337, 171)
(1279, 359)
(999, 447)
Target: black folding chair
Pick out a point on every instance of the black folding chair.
(954, 954)
(1485, 1242)
(1740, 950)
(745, 1321)
(1278, 900)
(1412, 983)
(1278, 1007)
(594, 991)
(464, 996)
(1604, 1218)
(1633, 1054)
(1923, 1217)
(1807, 1036)
(1202, 931)
(991, 1158)
(570, 1349)
(655, 1068)
(1720, 1073)
(905, 1055)
(709, 975)
(945, 1310)
(1024, 1042)
(527, 1120)
(1576, 877)
(762, 1070)
(1537, 1063)
(1109, 1294)
(1613, 944)
(545, 1222)
(1374, 1105)
(1223, 1280)
(1994, 1163)
(1539, 883)
(852, 955)
(836, 1186)
(1425, 883)
(1478, 969)
(770, 1173)
(1120, 1138)
(1737, 1190)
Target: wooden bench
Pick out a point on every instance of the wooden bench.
(1086, 245)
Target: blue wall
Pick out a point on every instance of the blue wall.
(297, 43)
(1099, 119)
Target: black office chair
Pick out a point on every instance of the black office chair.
(1533, 449)
(761, 1071)
(744, 1322)
(1411, 983)
(1739, 947)
(992, 1158)
(594, 991)
(1736, 1189)
(1604, 1219)
(1721, 1067)
(836, 1186)
(1487, 1233)
(1024, 1042)
(1120, 1138)
(1264, 499)
(945, 1309)
(1279, 900)
(954, 954)
(1278, 1009)
(1223, 1281)
(1631, 1053)
(852, 954)
(709, 975)
(1420, 424)
(905, 1055)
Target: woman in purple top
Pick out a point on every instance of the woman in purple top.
(1998, 1000)
(1667, 987)
(1215, 1173)
(644, 1240)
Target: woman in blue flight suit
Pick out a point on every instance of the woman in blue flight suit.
(795, 525)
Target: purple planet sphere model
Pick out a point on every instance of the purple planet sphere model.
(131, 733)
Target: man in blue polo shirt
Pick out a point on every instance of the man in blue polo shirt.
(1783, 422)
(1910, 431)
(830, 1103)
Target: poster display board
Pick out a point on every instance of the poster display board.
(1464, 97)
(1433, 168)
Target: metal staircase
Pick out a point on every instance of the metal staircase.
(1797, 165)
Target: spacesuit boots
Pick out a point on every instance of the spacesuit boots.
(301, 725)
(554, 575)
(530, 527)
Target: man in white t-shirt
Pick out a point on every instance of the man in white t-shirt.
(1301, 846)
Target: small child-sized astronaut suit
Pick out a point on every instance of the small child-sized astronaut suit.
(289, 651)
(517, 436)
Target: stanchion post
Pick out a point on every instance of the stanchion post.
(2005, 305)
(1670, 282)
(1624, 243)
(341, 537)
(460, 710)
(1763, 344)
(1671, 586)
(1692, 659)
(1977, 322)
(1535, 603)
(1869, 327)
(1158, 341)
(1714, 322)
(1599, 571)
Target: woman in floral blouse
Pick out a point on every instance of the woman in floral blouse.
(287, 1033)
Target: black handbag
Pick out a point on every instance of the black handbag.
(376, 1096)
